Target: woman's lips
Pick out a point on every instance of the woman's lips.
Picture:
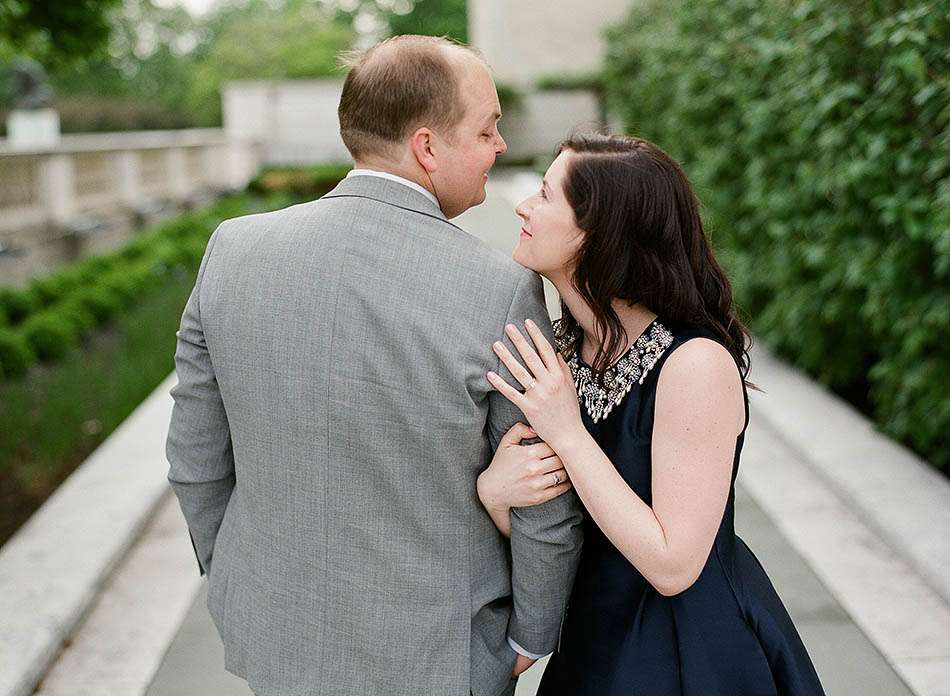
(525, 233)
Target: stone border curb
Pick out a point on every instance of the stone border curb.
(53, 568)
(900, 497)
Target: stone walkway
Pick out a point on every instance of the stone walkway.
(150, 633)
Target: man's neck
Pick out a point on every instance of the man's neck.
(395, 169)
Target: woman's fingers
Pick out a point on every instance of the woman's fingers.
(548, 354)
(511, 362)
(530, 357)
(517, 433)
(565, 368)
(553, 492)
(506, 390)
(549, 479)
(541, 450)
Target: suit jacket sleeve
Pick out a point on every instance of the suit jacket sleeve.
(546, 538)
(198, 448)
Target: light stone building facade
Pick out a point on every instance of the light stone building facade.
(525, 40)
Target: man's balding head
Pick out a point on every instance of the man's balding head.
(399, 85)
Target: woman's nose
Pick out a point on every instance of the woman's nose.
(522, 209)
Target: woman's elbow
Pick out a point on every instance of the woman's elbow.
(675, 582)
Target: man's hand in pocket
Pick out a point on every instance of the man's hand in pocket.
(521, 664)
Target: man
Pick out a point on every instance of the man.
(332, 413)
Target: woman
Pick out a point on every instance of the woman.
(668, 600)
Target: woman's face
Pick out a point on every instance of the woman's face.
(550, 236)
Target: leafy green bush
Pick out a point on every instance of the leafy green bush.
(76, 313)
(311, 182)
(15, 354)
(16, 304)
(590, 81)
(103, 114)
(171, 253)
(101, 302)
(91, 268)
(51, 289)
(50, 334)
(510, 98)
(816, 135)
(117, 282)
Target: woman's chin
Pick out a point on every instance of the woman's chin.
(519, 256)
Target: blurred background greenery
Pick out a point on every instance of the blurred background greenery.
(142, 64)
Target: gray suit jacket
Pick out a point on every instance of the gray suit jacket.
(331, 418)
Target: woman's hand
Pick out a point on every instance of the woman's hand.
(549, 400)
(520, 476)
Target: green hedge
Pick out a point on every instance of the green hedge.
(816, 134)
(45, 320)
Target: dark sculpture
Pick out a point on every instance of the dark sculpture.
(29, 85)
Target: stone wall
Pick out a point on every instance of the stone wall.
(89, 193)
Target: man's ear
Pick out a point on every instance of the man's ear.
(422, 144)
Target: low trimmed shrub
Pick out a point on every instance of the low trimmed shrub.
(100, 301)
(17, 304)
(50, 289)
(50, 334)
(77, 314)
(311, 182)
(15, 354)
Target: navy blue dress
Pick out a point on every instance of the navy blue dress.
(727, 635)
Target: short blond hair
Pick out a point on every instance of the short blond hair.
(397, 86)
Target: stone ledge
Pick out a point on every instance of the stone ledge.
(53, 568)
(905, 501)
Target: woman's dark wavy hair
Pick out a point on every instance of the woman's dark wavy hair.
(643, 243)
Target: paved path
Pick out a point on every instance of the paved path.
(150, 631)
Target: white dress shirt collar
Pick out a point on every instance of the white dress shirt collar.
(399, 180)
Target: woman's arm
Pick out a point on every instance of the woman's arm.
(520, 476)
(699, 414)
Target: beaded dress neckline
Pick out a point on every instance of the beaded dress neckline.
(632, 368)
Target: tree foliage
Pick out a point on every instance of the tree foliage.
(255, 42)
(432, 18)
(54, 33)
(138, 64)
(817, 135)
(163, 68)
